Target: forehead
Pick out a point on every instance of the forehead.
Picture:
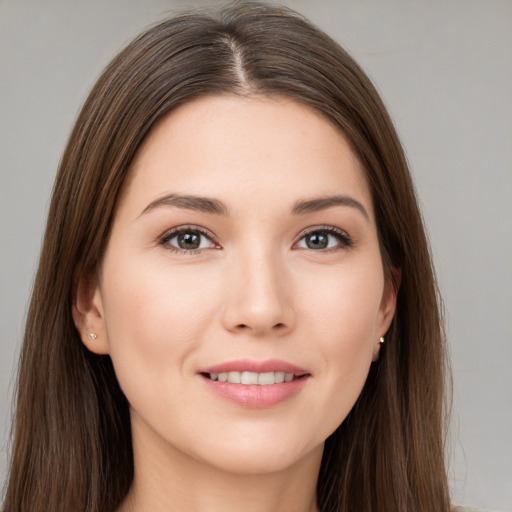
(241, 149)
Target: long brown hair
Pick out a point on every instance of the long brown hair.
(72, 442)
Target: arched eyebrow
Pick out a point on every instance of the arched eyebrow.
(214, 206)
(188, 202)
(304, 206)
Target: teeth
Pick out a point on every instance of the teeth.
(264, 379)
(234, 377)
(249, 378)
(253, 378)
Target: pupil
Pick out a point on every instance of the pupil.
(189, 240)
(317, 241)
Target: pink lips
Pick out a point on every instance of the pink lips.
(256, 396)
(246, 365)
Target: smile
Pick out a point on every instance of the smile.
(255, 384)
(253, 378)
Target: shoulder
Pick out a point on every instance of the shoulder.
(464, 509)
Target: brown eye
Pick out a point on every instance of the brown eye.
(187, 240)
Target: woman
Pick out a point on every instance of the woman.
(235, 304)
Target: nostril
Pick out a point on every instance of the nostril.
(279, 326)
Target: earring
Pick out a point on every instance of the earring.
(381, 339)
(91, 336)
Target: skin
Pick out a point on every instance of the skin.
(255, 290)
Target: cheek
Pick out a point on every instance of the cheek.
(342, 320)
(155, 318)
(143, 299)
(345, 309)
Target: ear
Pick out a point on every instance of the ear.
(88, 314)
(387, 307)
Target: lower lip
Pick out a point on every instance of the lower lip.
(256, 396)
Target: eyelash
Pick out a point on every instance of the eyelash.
(344, 240)
(169, 235)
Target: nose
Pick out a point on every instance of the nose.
(259, 297)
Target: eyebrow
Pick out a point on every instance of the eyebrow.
(214, 206)
(187, 202)
(302, 207)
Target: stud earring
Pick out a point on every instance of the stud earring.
(91, 336)
(381, 339)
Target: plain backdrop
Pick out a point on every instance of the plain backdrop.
(444, 69)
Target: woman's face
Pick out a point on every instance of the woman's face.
(245, 247)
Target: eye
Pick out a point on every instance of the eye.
(188, 239)
(324, 239)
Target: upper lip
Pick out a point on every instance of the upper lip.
(247, 365)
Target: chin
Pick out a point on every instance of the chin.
(256, 452)
(255, 461)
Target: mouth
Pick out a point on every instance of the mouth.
(253, 378)
(255, 384)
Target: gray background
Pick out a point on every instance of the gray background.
(444, 69)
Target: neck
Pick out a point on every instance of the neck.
(171, 480)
